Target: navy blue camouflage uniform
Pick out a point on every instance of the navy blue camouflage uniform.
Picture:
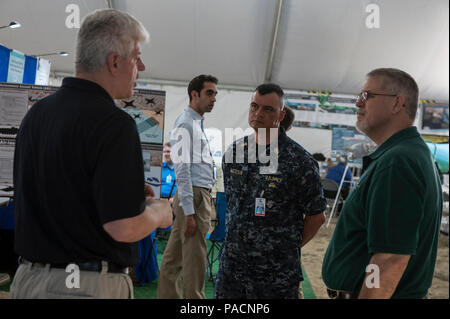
(260, 257)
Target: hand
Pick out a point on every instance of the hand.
(171, 200)
(148, 191)
(191, 226)
(163, 208)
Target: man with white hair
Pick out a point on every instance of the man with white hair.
(80, 198)
(385, 242)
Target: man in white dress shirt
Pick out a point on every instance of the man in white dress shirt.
(185, 253)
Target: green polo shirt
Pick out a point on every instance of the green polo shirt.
(395, 208)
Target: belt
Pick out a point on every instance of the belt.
(340, 294)
(97, 266)
(208, 189)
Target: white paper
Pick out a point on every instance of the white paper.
(13, 106)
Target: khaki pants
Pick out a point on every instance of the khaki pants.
(42, 282)
(186, 257)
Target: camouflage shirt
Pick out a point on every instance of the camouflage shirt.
(269, 245)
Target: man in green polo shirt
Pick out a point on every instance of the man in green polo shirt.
(386, 238)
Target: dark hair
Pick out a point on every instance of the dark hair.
(288, 118)
(267, 88)
(196, 83)
(167, 144)
(398, 81)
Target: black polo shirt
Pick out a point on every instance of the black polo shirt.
(77, 165)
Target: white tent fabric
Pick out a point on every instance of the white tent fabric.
(321, 45)
(326, 44)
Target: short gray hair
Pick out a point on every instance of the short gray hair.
(103, 32)
(398, 81)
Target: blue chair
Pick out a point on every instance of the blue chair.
(147, 270)
(218, 234)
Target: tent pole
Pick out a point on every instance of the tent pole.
(109, 4)
(268, 72)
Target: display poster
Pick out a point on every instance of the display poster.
(146, 107)
(325, 111)
(6, 160)
(349, 142)
(214, 137)
(153, 157)
(13, 106)
(43, 72)
(435, 118)
(16, 67)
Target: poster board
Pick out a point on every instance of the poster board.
(16, 67)
(351, 143)
(434, 118)
(43, 72)
(322, 110)
(147, 108)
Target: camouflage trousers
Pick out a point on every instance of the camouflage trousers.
(232, 284)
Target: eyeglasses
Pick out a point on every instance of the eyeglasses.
(365, 95)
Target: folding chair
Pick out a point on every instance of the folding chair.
(217, 235)
(330, 190)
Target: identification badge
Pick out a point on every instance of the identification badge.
(260, 206)
(168, 179)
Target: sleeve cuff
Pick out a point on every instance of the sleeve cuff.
(188, 210)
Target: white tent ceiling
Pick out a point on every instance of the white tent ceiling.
(320, 44)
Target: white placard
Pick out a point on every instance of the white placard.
(43, 72)
(13, 106)
(16, 67)
(153, 177)
(6, 163)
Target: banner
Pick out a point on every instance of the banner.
(43, 72)
(4, 63)
(322, 110)
(29, 76)
(16, 67)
